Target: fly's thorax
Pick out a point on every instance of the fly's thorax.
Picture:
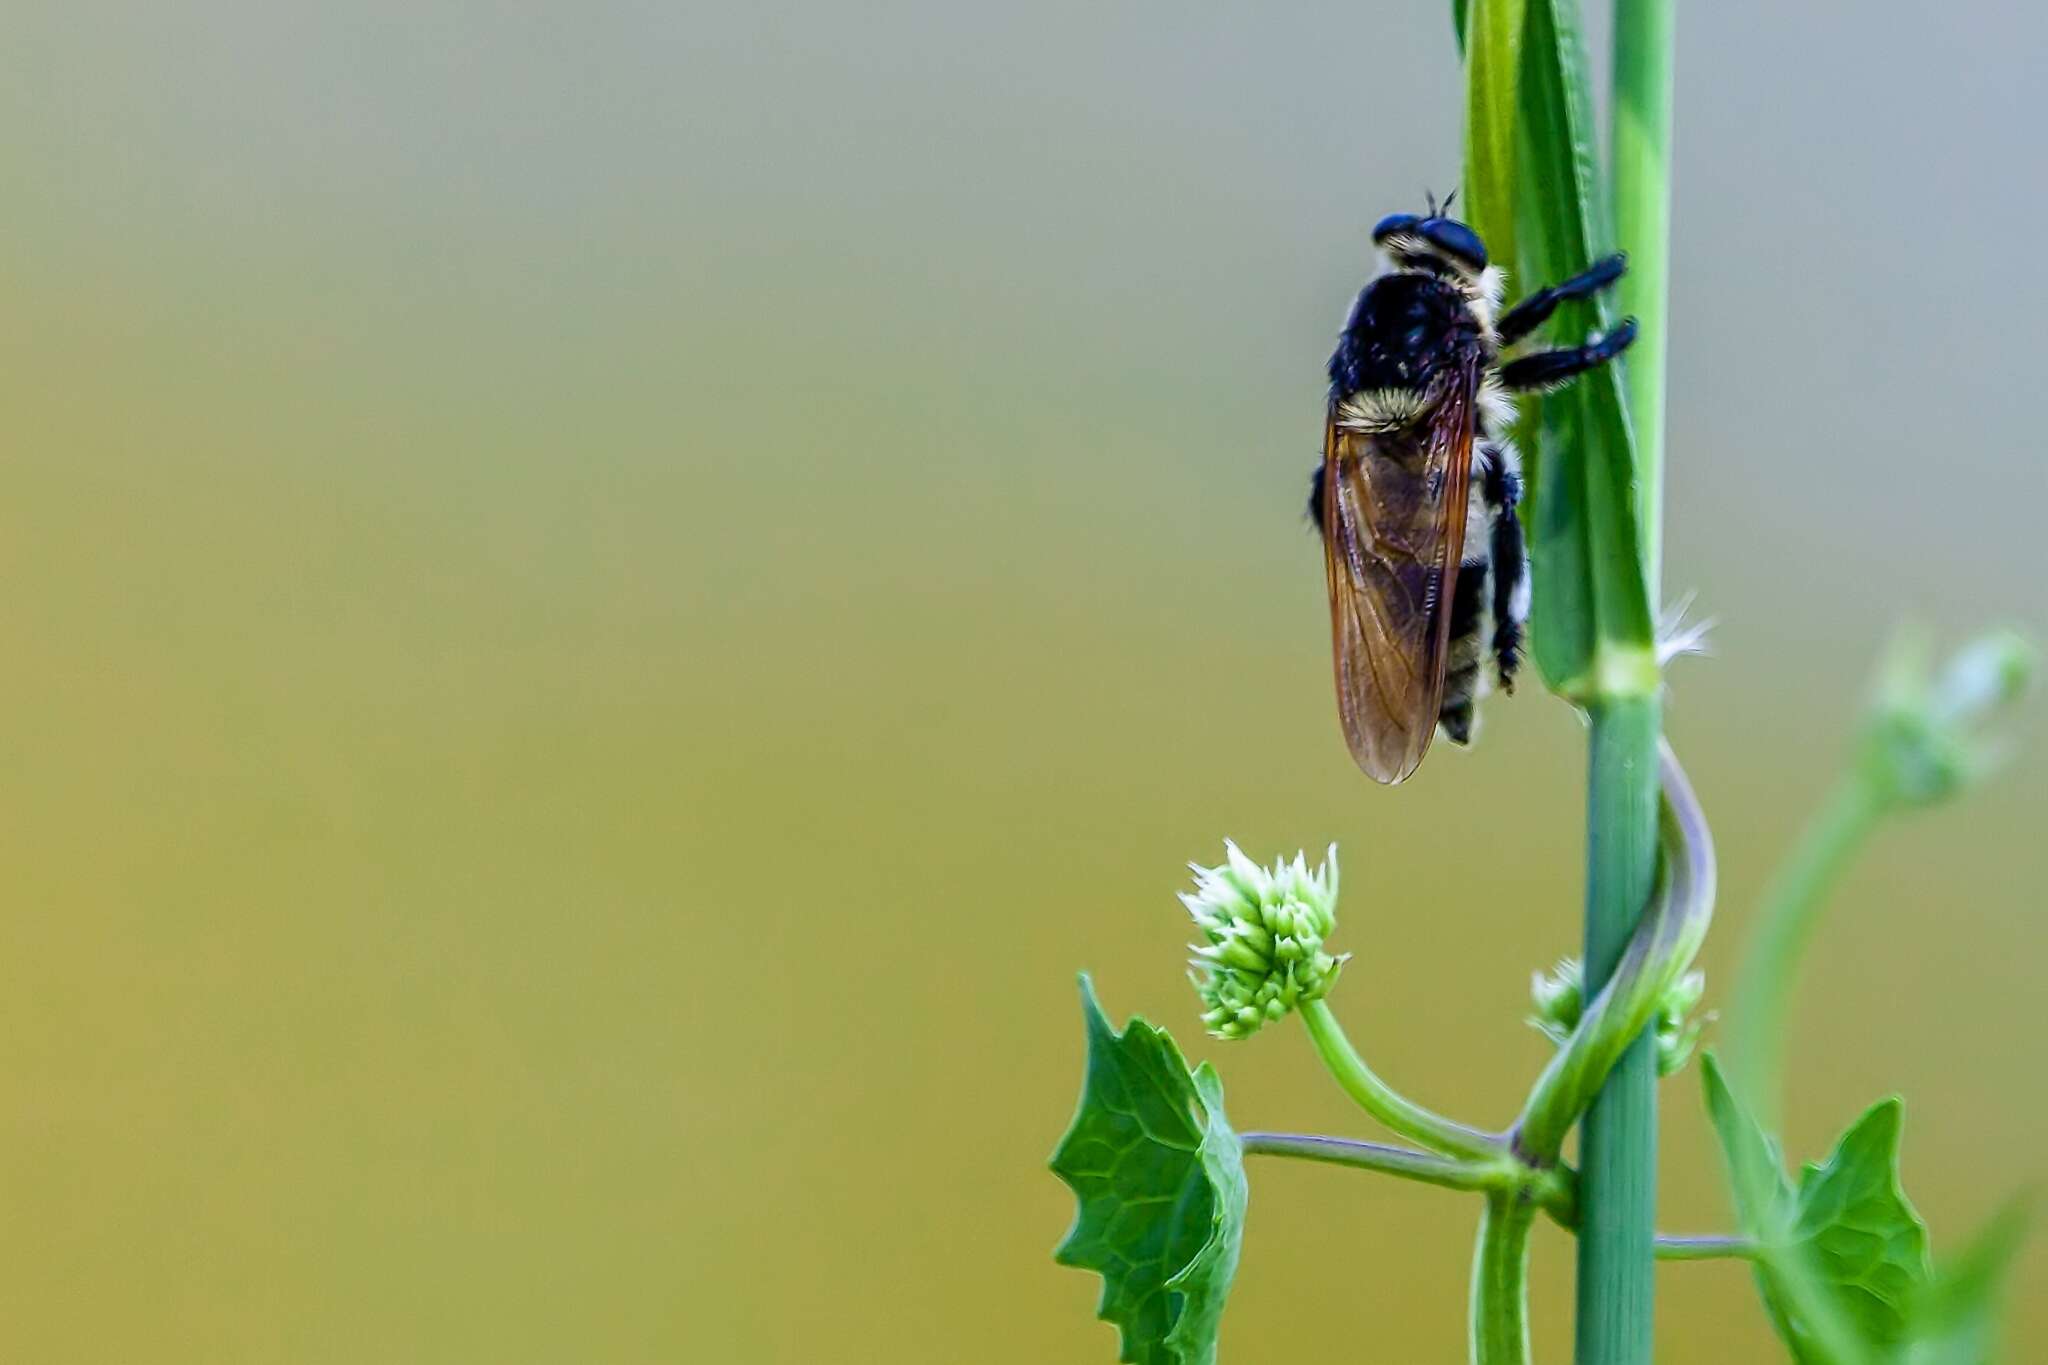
(1407, 330)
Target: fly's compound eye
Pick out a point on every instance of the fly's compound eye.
(1391, 224)
(1454, 240)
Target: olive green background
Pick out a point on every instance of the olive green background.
(603, 603)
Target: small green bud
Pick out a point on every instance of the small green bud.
(1923, 737)
(1263, 931)
(1677, 1035)
(1559, 1000)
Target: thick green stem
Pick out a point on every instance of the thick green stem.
(1790, 912)
(1401, 1115)
(1618, 1142)
(1500, 1282)
(1427, 1167)
(1643, 53)
(1618, 1146)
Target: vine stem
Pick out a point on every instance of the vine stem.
(1500, 1282)
(1554, 1191)
(1400, 1115)
(1668, 933)
(1791, 910)
(1705, 1249)
(1405, 1162)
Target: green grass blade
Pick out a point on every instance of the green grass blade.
(1644, 51)
(1491, 33)
(1592, 621)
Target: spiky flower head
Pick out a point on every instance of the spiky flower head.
(1559, 1000)
(1262, 938)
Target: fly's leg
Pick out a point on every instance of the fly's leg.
(1548, 369)
(1532, 312)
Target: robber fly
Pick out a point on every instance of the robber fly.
(1416, 492)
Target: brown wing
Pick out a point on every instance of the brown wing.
(1393, 534)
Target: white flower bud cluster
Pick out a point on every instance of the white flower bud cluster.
(1263, 931)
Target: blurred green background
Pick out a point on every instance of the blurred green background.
(603, 603)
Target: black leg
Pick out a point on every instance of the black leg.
(1532, 312)
(1503, 492)
(1548, 369)
(1315, 495)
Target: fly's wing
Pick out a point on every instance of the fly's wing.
(1393, 534)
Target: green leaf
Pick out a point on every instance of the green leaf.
(1955, 1320)
(1860, 1232)
(1756, 1168)
(1844, 1261)
(1160, 1180)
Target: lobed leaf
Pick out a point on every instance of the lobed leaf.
(1860, 1232)
(1159, 1177)
(1844, 1267)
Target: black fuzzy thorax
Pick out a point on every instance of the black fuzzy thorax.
(1403, 331)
